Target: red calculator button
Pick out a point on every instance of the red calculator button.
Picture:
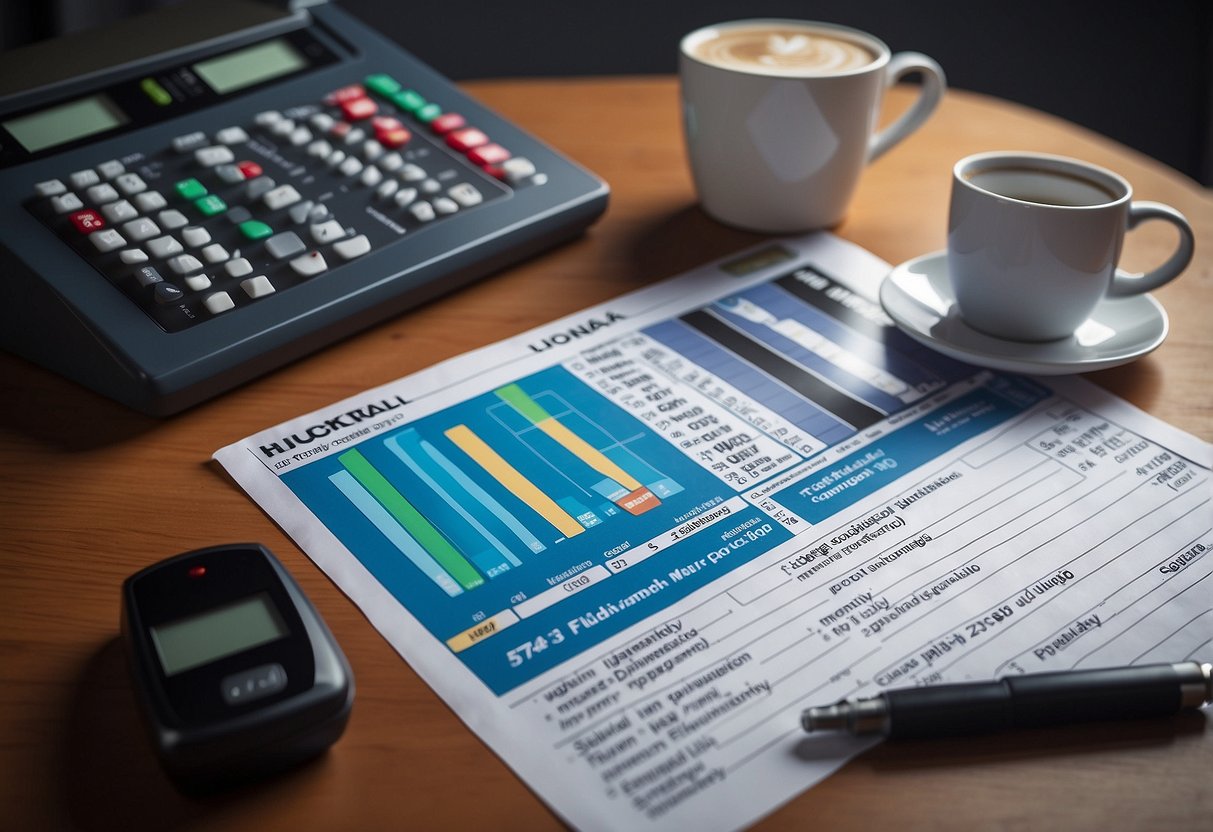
(447, 122)
(251, 170)
(465, 139)
(394, 138)
(356, 109)
(382, 124)
(87, 221)
(344, 94)
(488, 154)
(495, 170)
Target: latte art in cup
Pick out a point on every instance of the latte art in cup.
(782, 50)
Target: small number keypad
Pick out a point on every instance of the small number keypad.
(219, 220)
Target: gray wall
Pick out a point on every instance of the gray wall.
(1138, 72)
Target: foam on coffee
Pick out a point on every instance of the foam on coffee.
(782, 49)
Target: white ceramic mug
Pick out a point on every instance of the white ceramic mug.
(1034, 239)
(780, 148)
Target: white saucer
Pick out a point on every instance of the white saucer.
(918, 296)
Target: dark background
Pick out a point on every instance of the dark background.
(1138, 72)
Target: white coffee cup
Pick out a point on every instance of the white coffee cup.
(777, 142)
(1034, 239)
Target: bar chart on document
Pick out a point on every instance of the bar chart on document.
(535, 519)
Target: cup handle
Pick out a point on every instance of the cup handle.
(1125, 283)
(933, 85)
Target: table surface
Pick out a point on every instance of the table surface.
(95, 492)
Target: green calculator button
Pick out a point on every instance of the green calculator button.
(428, 113)
(383, 85)
(408, 100)
(211, 205)
(255, 230)
(191, 188)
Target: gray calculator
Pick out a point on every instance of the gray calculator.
(178, 225)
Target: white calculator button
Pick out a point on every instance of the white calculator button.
(149, 201)
(198, 282)
(321, 121)
(119, 211)
(281, 197)
(107, 239)
(465, 194)
(214, 253)
(327, 232)
(190, 141)
(141, 229)
(391, 162)
(195, 235)
(172, 218)
(66, 202)
(350, 166)
(185, 264)
(84, 178)
(165, 246)
(318, 213)
(218, 302)
(371, 150)
(257, 287)
(412, 173)
(309, 264)
(335, 158)
(218, 154)
(231, 135)
(111, 169)
(445, 205)
(517, 169)
(430, 186)
(102, 193)
(300, 136)
(319, 149)
(282, 127)
(353, 247)
(51, 187)
(131, 256)
(422, 211)
(267, 118)
(238, 267)
(371, 176)
(355, 136)
(405, 196)
(386, 188)
(130, 183)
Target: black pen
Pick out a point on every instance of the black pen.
(1027, 701)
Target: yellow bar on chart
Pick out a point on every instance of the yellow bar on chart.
(587, 453)
(512, 479)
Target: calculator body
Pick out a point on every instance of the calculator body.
(232, 206)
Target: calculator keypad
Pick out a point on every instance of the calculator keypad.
(216, 221)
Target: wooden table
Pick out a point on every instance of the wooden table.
(93, 492)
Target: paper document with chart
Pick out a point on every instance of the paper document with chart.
(638, 541)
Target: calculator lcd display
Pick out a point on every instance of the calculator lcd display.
(253, 65)
(215, 634)
(66, 122)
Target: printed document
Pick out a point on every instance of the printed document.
(629, 547)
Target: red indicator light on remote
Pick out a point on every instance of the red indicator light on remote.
(196, 571)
